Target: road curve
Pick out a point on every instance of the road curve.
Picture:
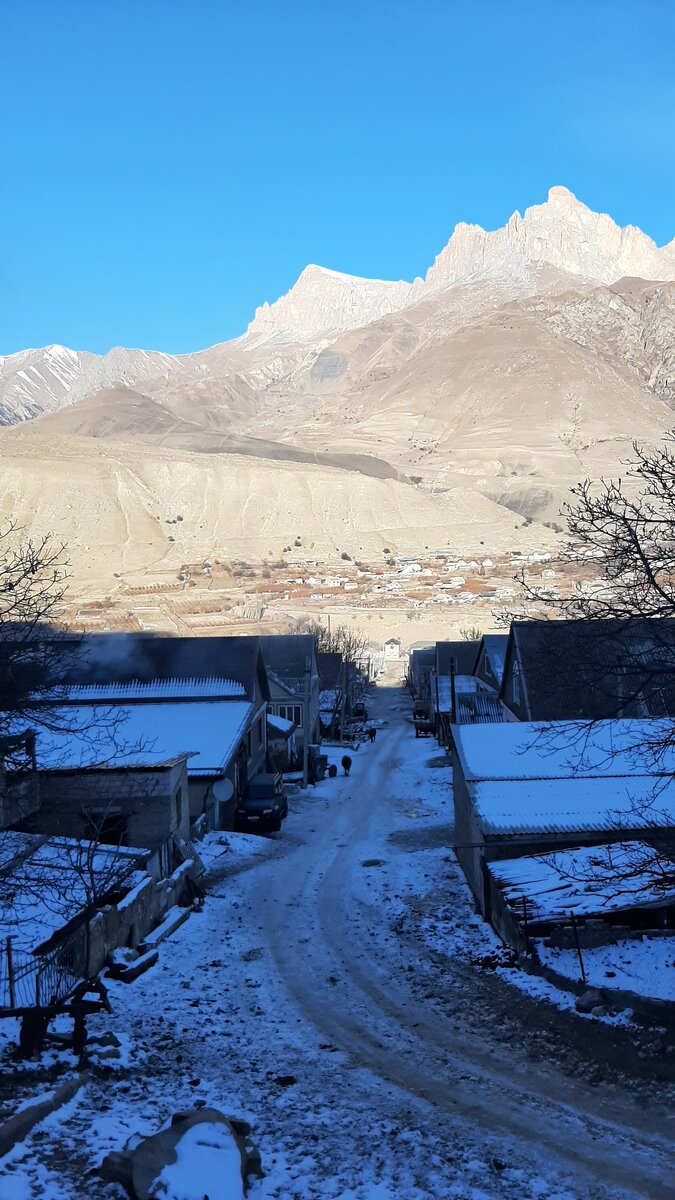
(354, 981)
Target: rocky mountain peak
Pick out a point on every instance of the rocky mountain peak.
(555, 240)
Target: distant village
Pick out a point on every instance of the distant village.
(382, 598)
(562, 771)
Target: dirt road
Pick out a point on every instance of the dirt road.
(348, 976)
(309, 998)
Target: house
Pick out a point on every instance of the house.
(392, 650)
(489, 664)
(149, 673)
(450, 659)
(210, 723)
(581, 670)
(528, 789)
(291, 664)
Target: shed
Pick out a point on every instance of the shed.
(529, 789)
(532, 894)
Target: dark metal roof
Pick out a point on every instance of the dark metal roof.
(123, 657)
(329, 664)
(597, 669)
(456, 658)
(287, 654)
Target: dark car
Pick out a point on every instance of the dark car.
(264, 807)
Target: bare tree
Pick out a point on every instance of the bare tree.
(37, 651)
(622, 533)
(472, 633)
(336, 639)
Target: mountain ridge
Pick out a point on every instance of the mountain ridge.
(552, 245)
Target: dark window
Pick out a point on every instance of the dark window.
(179, 806)
(109, 829)
(260, 730)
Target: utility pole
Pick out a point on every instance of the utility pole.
(305, 722)
(343, 699)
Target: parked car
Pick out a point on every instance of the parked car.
(265, 806)
(360, 712)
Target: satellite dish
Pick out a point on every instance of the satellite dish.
(223, 790)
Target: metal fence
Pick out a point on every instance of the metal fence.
(35, 981)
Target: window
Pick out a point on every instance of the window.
(488, 668)
(291, 712)
(108, 828)
(179, 806)
(515, 683)
(261, 730)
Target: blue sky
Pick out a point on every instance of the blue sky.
(168, 165)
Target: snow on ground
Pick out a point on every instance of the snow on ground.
(645, 966)
(305, 999)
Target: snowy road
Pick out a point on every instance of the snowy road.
(371, 1065)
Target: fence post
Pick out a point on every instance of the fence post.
(10, 974)
(578, 946)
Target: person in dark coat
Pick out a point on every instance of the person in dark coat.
(346, 763)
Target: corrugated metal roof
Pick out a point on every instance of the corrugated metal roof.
(127, 657)
(145, 733)
(455, 657)
(562, 749)
(481, 708)
(571, 806)
(586, 880)
(154, 689)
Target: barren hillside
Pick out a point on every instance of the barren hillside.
(359, 414)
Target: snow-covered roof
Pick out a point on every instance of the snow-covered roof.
(280, 724)
(516, 806)
(561, 749)
(154, 689)
(47, 882)
(584, 880)
(208, 730)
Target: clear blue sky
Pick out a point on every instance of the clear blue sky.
(167, 165)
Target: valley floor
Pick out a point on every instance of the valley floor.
(332, 993)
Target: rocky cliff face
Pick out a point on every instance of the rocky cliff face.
(326, 301)
(562, 235)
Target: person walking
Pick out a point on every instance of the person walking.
(346, 764)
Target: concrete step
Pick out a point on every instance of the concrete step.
(172, 921)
